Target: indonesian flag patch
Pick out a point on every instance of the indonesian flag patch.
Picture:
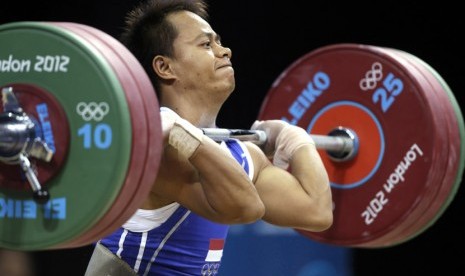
(215, 250)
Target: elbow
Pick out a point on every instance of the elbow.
(319, 221)
(254, 213)
(324, 222)
(245, 214)
(250, 213)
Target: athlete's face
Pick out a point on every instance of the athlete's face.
(201, 63)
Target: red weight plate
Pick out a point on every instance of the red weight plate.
(404, 125)
(456, 137)
(360, 120)
(144, 163)
(47, 113)
(444, 190)
(404, 230)
(151, 110)
(134, 170)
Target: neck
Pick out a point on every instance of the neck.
(200, 115)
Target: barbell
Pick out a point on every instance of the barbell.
(80, 137)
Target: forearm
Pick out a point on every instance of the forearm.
(218, 187)
(301, 196)
(307, 167)
(226, 186)
(296, 149)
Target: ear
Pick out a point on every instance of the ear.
(162, 67)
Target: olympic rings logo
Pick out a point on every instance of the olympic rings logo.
(93, 111)
(372, 77)
(210, 269)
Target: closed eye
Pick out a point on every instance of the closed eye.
(211, 38)
(207, 44)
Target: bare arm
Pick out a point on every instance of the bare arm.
(298, 198)
(210, 182)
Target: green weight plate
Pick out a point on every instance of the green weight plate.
(146, 149)
(91, 95)
(128, 190)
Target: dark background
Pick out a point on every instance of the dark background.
(266, 37)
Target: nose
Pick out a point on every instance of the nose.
(228, 52)
(225, 52)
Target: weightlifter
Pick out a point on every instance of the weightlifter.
(203, 186)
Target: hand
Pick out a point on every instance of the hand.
(272, 129)
(283, 140)
(179, 133)
(168, 117)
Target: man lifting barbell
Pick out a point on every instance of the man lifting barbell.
(80, 114)
(203, 186)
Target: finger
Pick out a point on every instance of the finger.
(256, 124)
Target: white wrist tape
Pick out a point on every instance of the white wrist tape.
(185, 137)
(289, 140)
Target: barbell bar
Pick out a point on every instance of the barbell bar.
(94, 108)
(341, 143)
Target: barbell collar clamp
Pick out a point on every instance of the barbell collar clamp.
(18, 140)
(40, 195)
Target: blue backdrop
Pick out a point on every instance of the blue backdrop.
(262, 249)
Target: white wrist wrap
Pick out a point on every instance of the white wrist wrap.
(185, 137)
(289, 140)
